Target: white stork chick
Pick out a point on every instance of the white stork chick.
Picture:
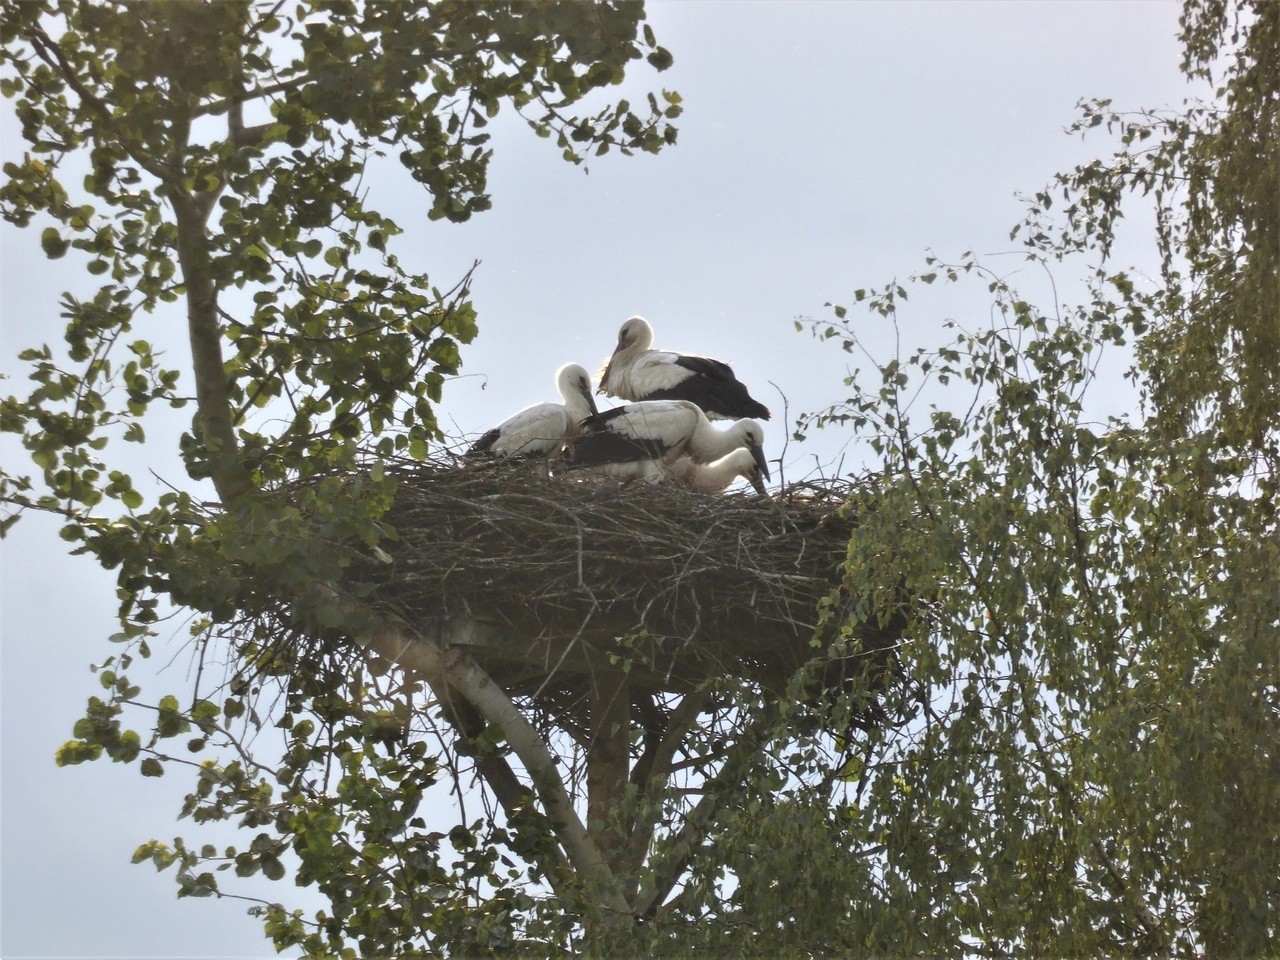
(716, 477)
(641, 440)
(637, 372)
(542, 429)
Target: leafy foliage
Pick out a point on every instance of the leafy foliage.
(1098, 671)
(211, 159)
(1080, 753)
(1211, 170)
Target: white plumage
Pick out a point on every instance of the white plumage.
(642, 440)
(637, 372)
(715, 477)
(542, 429)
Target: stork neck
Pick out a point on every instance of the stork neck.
(708, 443)
(577, 407)
(713, 477)
(628, 355)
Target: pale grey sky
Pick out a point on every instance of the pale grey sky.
(824, 146)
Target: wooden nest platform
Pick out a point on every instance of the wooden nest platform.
(553, 580)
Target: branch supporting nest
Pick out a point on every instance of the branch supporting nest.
(616, 614)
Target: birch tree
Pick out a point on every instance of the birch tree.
(1076, 751)
(228, 144)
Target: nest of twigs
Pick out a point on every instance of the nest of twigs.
(551, 578)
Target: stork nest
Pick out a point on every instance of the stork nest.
(551, 579)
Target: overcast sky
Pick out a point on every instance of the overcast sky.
(824, 147)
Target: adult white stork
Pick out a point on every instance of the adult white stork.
(637, 372)
(716, 477)
(542, 429)
(641, 440)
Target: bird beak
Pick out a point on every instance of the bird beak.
(758, 483)
(591, 403)
(758, 453)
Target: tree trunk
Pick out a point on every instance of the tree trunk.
(608, 765)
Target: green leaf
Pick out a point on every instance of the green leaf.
(151, 767)
(272, 867)
(660, 59)
(53, 244)
(75, 752)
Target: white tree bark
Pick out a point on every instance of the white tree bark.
(443, 664)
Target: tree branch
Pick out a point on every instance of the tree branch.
(716, 794)
(452, 667)
(513, 795)
(649, 776)
(49, 51)
(608, 757)
(228, 104)
(213, 399)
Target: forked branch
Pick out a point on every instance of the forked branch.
(445, 668)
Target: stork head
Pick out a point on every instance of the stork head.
(744, 462)
(752, 434)
(575, 384)
(635, 334)
(634, 338)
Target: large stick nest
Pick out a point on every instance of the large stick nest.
(552, 577)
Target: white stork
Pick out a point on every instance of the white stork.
(636, 372)
(641, 440)
(542, 429)
(716, 477)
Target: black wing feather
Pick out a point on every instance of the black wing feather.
(485, 443)
(600, 446)
(716, 396)
(597, 420)
(706, 367)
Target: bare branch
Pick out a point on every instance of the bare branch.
(719, 790)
